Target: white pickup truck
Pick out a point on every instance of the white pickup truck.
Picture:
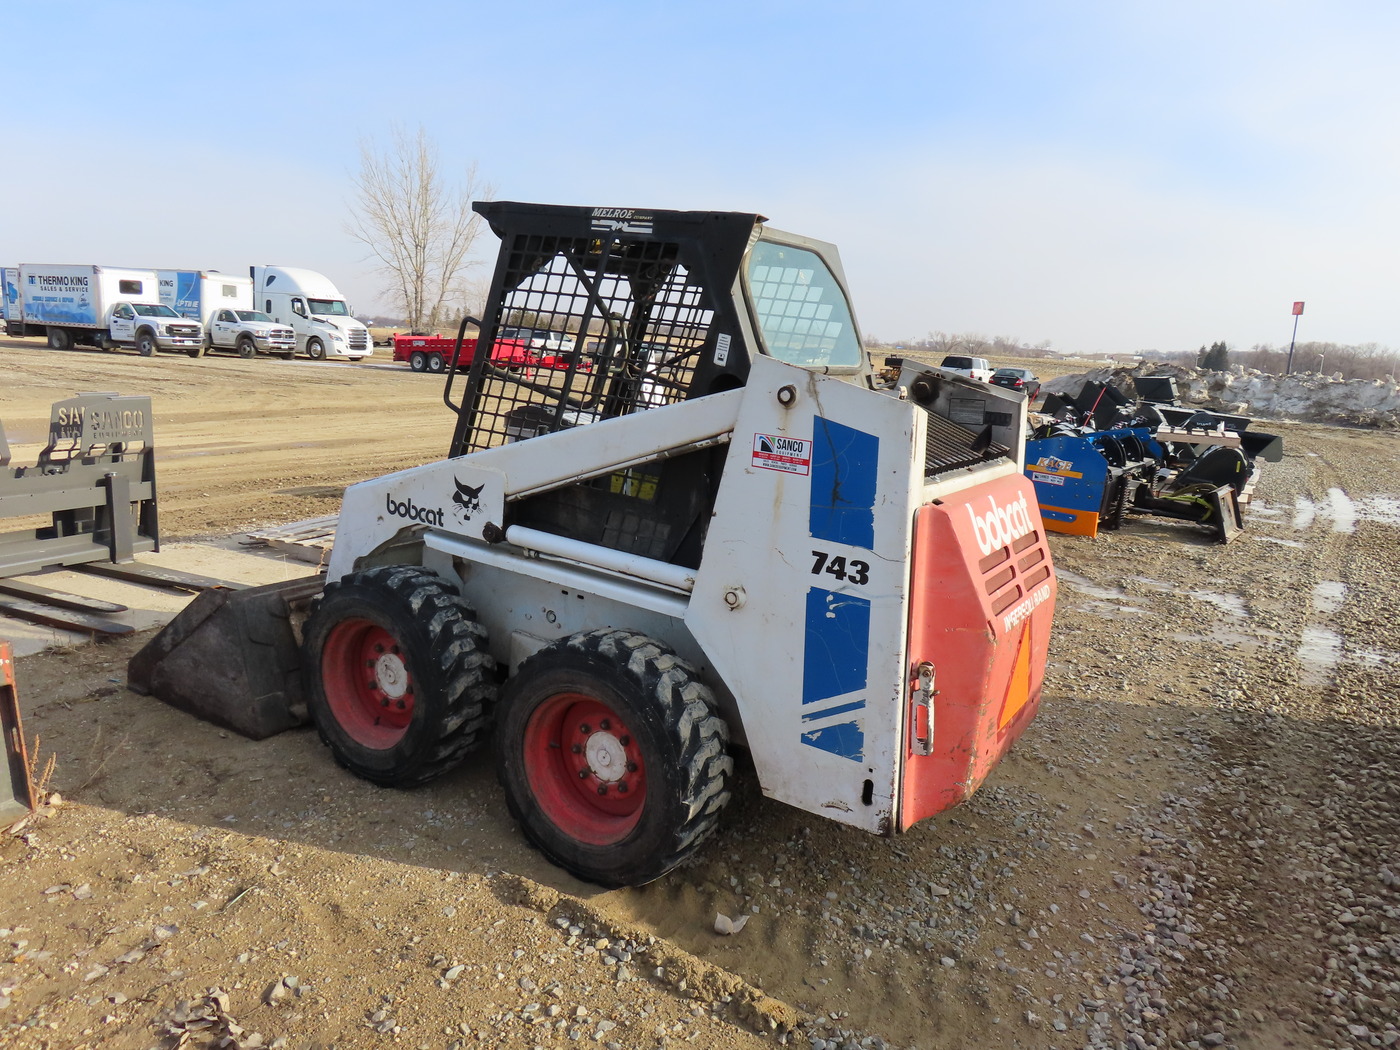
(973, 367)
(248, 332)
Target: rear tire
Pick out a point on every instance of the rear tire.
(612, 757)
(246, 347)
(315, 349)
(146, 344)
(436, 364)
(418, 361)
(399, 675)
(60, 339)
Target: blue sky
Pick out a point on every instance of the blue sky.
(1107, 176)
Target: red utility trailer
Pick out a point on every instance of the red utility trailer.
(432, 353)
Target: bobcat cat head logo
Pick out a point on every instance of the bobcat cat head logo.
(467, 500)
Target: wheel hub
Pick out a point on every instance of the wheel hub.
(606, 757)
(368, 682)
(391, 675)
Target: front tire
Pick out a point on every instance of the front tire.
(399, 675)
(612, 757)
(315, 349)
(246, 347)
(146, 343)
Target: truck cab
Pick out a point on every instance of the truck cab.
(314, 309)
(249, 332)
(151, 327)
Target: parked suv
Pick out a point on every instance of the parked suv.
(972, 367)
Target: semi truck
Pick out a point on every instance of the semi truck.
(223, 304)
(100, 306)
(314, 309)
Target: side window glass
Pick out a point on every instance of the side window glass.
(298, 307)
(800, 308)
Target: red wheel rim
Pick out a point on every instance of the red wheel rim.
(585, 768)
(369, 687)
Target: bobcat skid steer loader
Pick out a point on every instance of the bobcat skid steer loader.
(709, 526)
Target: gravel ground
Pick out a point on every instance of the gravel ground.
(1195, 845)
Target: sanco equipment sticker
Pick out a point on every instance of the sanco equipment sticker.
(776, 452)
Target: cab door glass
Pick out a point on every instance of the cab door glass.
(800, 308)
(298, 308)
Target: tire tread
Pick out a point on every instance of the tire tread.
(686, 708)
(458, 649)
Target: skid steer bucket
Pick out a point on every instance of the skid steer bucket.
(232, 658)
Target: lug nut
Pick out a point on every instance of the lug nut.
(602, 789)
(577, 749)
(584, 729)
(605, 724)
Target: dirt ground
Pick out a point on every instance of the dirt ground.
(1194, 845)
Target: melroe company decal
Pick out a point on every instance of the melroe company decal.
(776, 452)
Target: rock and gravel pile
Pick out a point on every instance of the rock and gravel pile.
(1305, 396)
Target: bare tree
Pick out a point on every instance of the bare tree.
(418, 225)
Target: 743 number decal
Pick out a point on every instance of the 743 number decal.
(852, 571)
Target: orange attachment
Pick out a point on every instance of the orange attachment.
(982, 596)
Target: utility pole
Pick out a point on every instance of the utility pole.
(1297, 313)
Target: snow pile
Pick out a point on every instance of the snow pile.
(1241, 391)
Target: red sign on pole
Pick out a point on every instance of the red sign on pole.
(1297, 309)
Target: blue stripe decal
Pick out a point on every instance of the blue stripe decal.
(832, 712)
(836, 646)
(846, 740)
(844, 464)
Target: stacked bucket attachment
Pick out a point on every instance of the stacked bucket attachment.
(1104, 455)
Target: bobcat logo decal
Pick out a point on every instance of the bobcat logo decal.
(467, 500)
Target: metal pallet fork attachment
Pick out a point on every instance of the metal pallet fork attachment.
(16, 792)
(58, 599)
(95, 479)
(154, 576)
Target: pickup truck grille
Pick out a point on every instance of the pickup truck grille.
(183, 329)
